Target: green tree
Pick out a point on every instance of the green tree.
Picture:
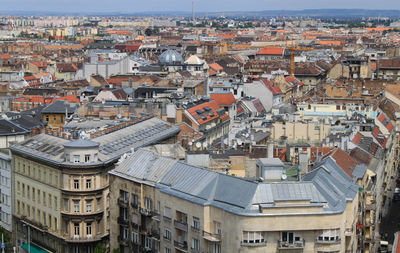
(6, 239)
(99, 248)
(116, 250)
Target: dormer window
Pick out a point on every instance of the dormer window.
(87, 158)
(76, 158)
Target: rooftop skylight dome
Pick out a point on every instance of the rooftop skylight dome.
(170, 57)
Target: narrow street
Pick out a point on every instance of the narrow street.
(391, 222)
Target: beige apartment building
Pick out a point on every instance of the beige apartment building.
(163, 205)
(61, 185)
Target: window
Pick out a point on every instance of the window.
(76, 206)
(124, 195)
(50, 178)
(148, 203)
(87, 158)
(38, 196)
(44, 176)
(50, 202)
(167, 250)
(44, 198)
(76, 229)
(76, 184)
(329, 235)
(125, 233)
(23, 190)
(196, 223)
(167, 234)
(88, 183)
(124, 213)
(147, 242)
(135, 218)
(56, 180)
(28, 192)
(195, 244)
(67, 158)
(18, 186)
(135, 238)
(55, 203)
(89, 229)
(217, 248)
(88, 206)
(135, 200)
(252, 237)
(76, 158)
(66, 206)
(168, 212)
(33, 194)
(55, 223)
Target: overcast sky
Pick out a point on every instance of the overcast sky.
(186, 5)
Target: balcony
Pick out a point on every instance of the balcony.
(320, 241)
(282, 245)
(123, 202)
(134, 205)
(123, 221)
(181, 225)
(211, 237)
(348, 232)
(181, 245)
(195, 229)
(135, 225)
(166, 218)
(256, 243)
(155, 234)
(123, 241)
(155, 215)
(87, 239)
(146, 212)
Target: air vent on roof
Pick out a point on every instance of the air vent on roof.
(206, 108)
(199, 111)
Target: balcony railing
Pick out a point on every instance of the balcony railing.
(123, 202)
(155, 234)
(181, 225)
(321, 241)
(121, 220)
(181, 245)
(348, 232)
(255, 243)
(195, 229)
(211, 237)
(134, 205)
(291, 245)
(146, 212)
(122, 240)
(166, 218)
(87, 239)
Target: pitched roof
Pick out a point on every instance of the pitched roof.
(344, 161)
(271, 51)
(205, 112)
(223, 98)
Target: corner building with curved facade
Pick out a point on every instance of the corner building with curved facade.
(61, 185)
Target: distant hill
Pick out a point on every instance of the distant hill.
(349, 13)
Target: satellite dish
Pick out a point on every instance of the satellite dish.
(239, 142)
(190, 143)
(284, 176)
(205, 145)
(198, 145)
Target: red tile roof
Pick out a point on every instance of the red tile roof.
(271, 51)
(223, 98)
(344, 161)
(206, 116)
(357, 138)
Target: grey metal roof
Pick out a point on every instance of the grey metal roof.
(170, 57)
(111, 145)
(327, 186)
(82, 143)
(60, 106)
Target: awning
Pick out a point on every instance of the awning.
(34, 248)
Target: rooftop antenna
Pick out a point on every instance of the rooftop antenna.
(283, 18)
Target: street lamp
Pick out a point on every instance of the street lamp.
(29, 236)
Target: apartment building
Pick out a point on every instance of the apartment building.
(5, 190)
(61, 184)
(163, 205)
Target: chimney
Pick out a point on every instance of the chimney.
(270, 149)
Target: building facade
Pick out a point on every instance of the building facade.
(5, 190)
(61, 184)
(162, 205)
